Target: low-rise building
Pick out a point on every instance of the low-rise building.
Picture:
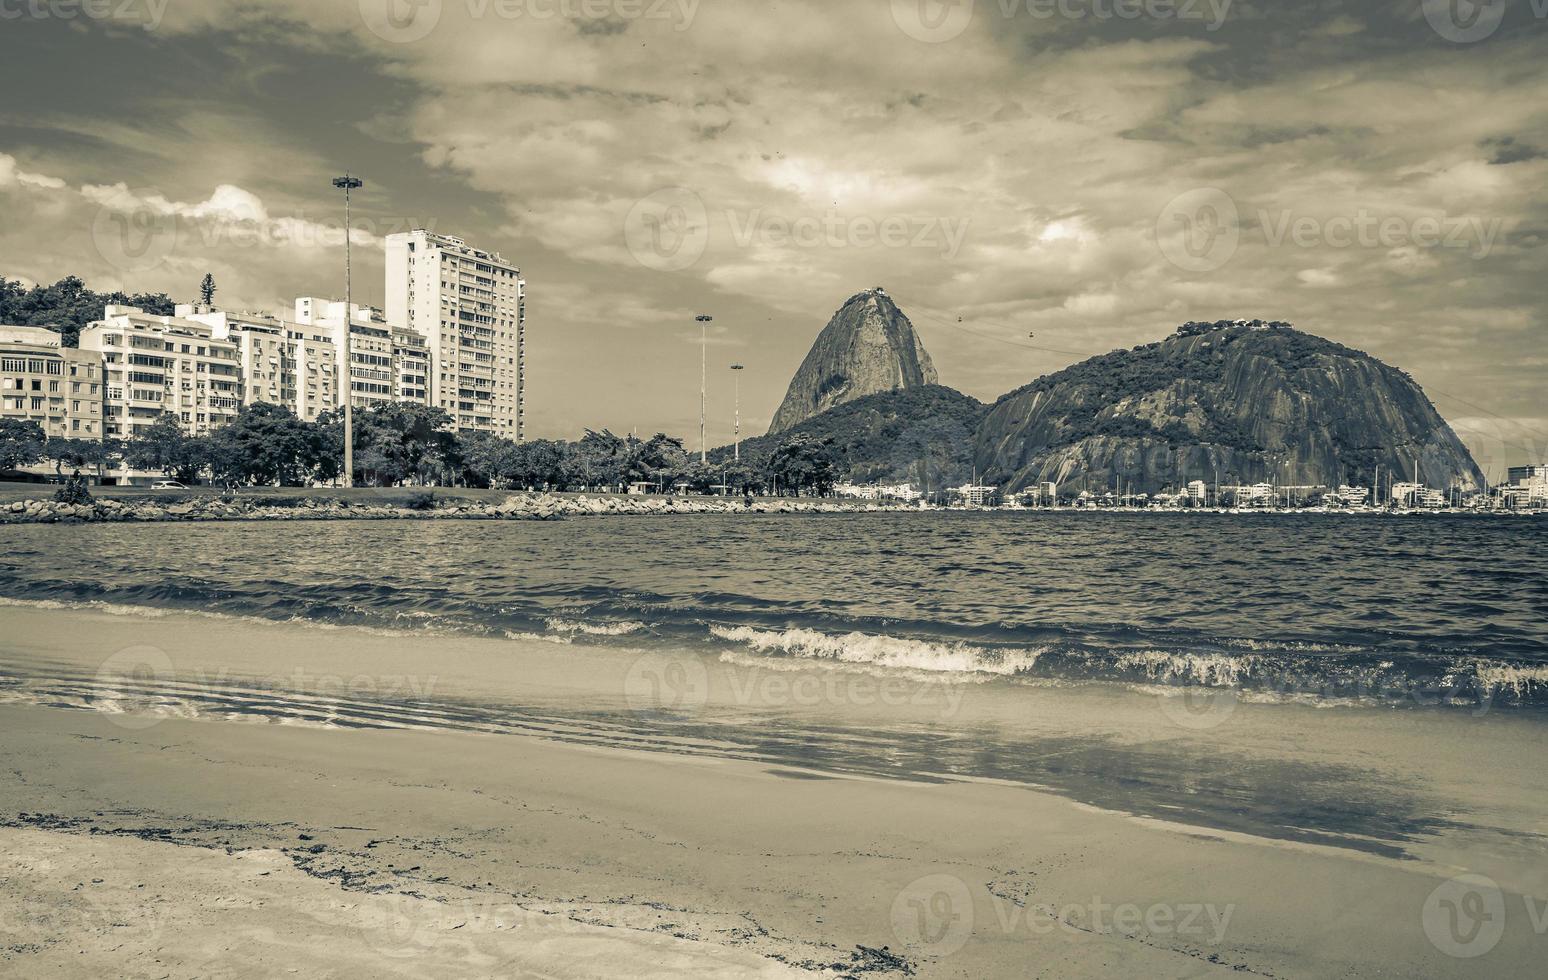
(154, 364)
(371, 375)
(282, 363)
(59, 388)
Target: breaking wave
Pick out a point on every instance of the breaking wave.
(881, 651)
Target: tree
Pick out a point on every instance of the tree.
(164, 447)
(75, 453)
(207, 290)
(21, 443)
(264, 444)
(804, 465)
(658, 461)
(68, 305)
(600, 459)
(488, 460)
(540, 463)
(396, 441)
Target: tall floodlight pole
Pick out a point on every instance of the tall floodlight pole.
(704, 322)
(347, 184)
(736, 374)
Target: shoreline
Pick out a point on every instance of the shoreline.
(389, 504)
(801, 867)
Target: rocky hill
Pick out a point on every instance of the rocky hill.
(921, 435)
(1247, 401)
(868, 347)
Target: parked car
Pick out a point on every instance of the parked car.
(167, 485)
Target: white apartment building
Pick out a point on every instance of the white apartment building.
(372, 379)
(154, 364)
(282, 363)
(59, 388)
(411, 365)
(471, 307)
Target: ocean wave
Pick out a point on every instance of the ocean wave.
(881, 651)
(594, 629)
(423, 623)
(1517, 681)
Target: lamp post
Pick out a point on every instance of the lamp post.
(348, 183)
(736, 375)
(703, 322)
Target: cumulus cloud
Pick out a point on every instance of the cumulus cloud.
(1368, 180)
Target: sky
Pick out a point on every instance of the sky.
(1033, 181)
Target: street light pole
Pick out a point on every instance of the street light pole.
(736, 374)
(347, 184)
(704, 322)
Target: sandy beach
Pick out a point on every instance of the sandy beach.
(234, 843)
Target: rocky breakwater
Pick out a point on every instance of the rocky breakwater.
(517, 507)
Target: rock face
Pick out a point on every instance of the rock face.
(868, 347)
(1238, 401)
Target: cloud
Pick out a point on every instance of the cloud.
(1048, 151)
(11, 175)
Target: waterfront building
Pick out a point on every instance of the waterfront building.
(371, 376)
(282, 362)
(1519, 476)
(1353, 496)
(1406, 494)
(975, 496)
(411, 366)
(1198, 491)
(154, 364)
(470, 305)
(59, 388)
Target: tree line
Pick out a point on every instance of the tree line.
(399, 444)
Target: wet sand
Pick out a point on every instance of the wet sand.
(420, 852)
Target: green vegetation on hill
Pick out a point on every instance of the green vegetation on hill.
(1247, 400)
(922, 434)
(68, 305)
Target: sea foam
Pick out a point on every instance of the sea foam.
(881, 651)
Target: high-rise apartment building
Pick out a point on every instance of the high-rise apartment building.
(154, 364)
(470, 305)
